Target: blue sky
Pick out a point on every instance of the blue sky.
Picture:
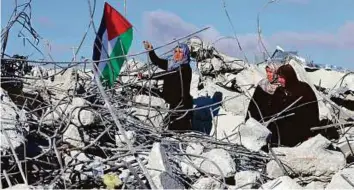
(321, 30)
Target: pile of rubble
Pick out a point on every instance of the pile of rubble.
(57, 131)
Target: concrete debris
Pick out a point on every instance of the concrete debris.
(344, 179)
(247, 179)
(315, 185)
(13, 123)
(68, 133)
(283, 182)
(161, 170)
(194, 148)
(311, 160)
(207, 183)
(73, 136)
(217, 162)
(121, 142)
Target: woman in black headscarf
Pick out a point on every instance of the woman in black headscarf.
(293, 128)
(177, 79)
(259, 106)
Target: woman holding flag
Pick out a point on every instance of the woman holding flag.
(176, 88)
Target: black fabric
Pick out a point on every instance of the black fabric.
(176, 89)
(263, 100)
(296, 128)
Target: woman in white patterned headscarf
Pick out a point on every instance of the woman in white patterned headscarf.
(270, 84)
(259, 105)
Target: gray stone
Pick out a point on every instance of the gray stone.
(188, 169)
(72, 136)
(155, 117)
(253, 135)
(121, 142)
(207, 183)
(194, 148)
(72, 110)
(315, 185)
(13, 121)
(311, 159)
(246, 179)
(160, 169)
(280, 183)
(221, 158)
(339, 180)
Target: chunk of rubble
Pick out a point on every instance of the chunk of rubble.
(161, 170)
(315, 185)
(344, 179)
(121, 141)
(284, 182)
(155, 117)
(75, 109)
(12, 121)
(188, 169)
(253, 135)
(194, 148)
(207, 183)
(24, 186)
(221, 158)
(247, 179)
(73, 137)
(80, 162)
(311, 160)
(346, 142)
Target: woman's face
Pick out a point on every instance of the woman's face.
(178, 54)
(270, 74)
(281, 80)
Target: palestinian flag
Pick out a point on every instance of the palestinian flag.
(113, 39)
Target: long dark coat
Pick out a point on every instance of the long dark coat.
(176, 91)
(295, 128)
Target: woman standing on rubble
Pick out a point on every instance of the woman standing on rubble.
(259, 106)
(295, 125)
(177, 79)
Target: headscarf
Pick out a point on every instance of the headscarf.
(289, 74)
(172, 64)
(267, 86)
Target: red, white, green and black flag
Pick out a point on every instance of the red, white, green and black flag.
(114, 38)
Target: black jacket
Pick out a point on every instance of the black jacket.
(295, 128)
(262, 100)
(176, 86)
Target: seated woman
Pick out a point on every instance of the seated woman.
(259, 106)
(177, 79)
(293, 126)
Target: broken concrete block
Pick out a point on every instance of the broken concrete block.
(344, 179)
(12, 121)
(207, 183)
(121, 142)
(311, 159)
(273, 169)
(284, 182)
(154, 116)
(247, 179)
(87, 117)
(221, 158)
(195, 149)
(188, 169)
(160, 169)
(253, 135)
(315, 185)
(72, 136)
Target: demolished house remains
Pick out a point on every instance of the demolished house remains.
(61, 129)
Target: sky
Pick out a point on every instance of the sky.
(320, 30)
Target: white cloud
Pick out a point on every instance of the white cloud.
(162, 26)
